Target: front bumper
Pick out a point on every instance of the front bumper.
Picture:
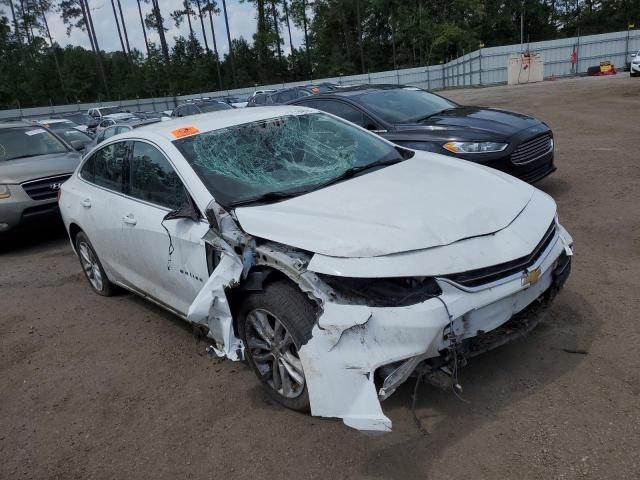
(351, 342)
(530, 171)
(635, 68)
(19, 208)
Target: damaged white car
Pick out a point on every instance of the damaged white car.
(336, 263)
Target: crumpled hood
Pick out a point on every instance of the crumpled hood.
(41, 166)
(427, 201)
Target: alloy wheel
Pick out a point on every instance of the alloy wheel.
(274, 353)
(90, 266)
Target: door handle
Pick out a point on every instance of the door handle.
(130, 219)
(86, 203)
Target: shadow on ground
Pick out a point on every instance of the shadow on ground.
(30, 239)
(491, 382)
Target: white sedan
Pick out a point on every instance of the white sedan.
(336, 263)
(634, 67)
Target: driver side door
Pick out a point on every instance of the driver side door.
(167, 258)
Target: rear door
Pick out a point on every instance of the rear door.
(166, 258)
(102, 204)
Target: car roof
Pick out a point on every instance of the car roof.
(54, 120)
(206, 122)
(118, 116)
(357, 90)
(204, 101)
(16, 123)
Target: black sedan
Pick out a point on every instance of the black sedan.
(411, 117)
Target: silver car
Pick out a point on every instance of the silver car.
(34, 163)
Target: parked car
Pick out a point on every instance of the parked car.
(334, 261)
(68, 130)
(235, 102)
(260, 100)
(289, 94)
(634, 67)
(147, 115)
(119, 127)
(84, 120)
(113, 119)
(99, 112)
(520, 145)
(34, 163)
(200, 106)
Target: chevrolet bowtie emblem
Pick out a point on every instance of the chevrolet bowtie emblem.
(531, 277)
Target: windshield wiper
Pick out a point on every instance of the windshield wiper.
(427, 117)
(24, 156)
(353, 171)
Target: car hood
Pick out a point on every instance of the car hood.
(473, 123)
(41, 166)
(427, 201)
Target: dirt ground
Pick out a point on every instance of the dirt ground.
(94, 387)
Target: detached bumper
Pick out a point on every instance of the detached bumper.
(351, 342)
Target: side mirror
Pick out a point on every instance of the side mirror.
(186, 210)
(77, 145)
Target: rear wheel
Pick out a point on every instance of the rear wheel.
(274, 324)
(92, 267)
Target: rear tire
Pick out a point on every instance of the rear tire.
(274, 324)
(92, 267)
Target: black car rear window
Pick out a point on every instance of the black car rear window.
(214, 107)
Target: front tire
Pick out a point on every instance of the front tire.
(274, 324)
(92, 267)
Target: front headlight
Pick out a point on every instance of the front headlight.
(4, 192)
(475, 147)
(383, 292)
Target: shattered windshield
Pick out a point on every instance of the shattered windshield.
(289, 154)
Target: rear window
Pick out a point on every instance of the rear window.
(110, 110)
(23, 142)
(214, 107)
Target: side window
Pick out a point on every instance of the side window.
(304, 93)
(122, 129)
(86, 171)
(310, 104)
(343, 110)
(287, 96)
(153, 179)
(108, 132)
(260, 99)
(108, 166)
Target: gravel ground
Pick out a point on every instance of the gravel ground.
(94, 387)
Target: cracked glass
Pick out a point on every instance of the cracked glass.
(288, 154)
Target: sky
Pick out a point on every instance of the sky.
(242, 23)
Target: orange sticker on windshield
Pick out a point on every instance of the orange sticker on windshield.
(184, 132)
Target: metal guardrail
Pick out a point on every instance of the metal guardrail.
(486, 66)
